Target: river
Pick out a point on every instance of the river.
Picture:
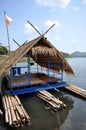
(71, 118)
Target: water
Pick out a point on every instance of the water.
(71, 118)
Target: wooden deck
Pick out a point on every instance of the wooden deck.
(35, 78)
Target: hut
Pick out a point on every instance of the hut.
(43, 71)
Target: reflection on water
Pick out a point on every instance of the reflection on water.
(68, 101)
(43, 119)
(71, 118)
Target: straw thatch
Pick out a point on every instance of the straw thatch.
(41, 51)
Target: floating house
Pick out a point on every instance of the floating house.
(43, 70)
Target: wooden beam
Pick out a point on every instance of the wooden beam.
(34, 27)
(48, 29)
(16, 42)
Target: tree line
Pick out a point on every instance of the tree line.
(3, 50)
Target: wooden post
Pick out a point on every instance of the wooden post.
(29, 75)
(48, 68)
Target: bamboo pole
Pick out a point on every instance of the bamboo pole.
(9, 112)
(14, 120)
(5, 109)
(15, 114)
(53, 98)
(25, 113)
(52, 101)
(34, 27)
(18, 119)
(1, 113)
(18, 108)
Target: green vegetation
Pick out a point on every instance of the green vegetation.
(74, 54)
(78, 54)
(3, 50)
(66, 55)
(25, 59)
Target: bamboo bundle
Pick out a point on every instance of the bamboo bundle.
(15, 114)
(52, 101)
(27, 117)
(15, 110)
(17, 105)
(77, 90)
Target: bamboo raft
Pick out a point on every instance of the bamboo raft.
(15, 114)
(79, 91)
(53, 102)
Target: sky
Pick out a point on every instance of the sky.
(68, 34)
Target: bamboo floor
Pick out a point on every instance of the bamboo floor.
(77, 90)
(35, 78)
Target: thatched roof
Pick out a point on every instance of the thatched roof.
(39, 49)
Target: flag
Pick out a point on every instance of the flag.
(8, 20)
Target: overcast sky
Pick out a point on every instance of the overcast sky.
(68, 34)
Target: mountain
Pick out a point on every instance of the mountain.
(74, 54)
(78, 54)
(65, 54)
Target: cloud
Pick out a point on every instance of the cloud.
(76, 9)
(74, 40)
(29, 29)
(57, 38)
(84, 2)
(50, 23)
(53, 3)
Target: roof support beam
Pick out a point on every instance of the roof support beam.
(48, 29)
(38, 31)
(34, 27)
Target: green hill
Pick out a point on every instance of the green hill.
(78, 54)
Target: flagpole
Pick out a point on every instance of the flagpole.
(7, 34)
(8, 47)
